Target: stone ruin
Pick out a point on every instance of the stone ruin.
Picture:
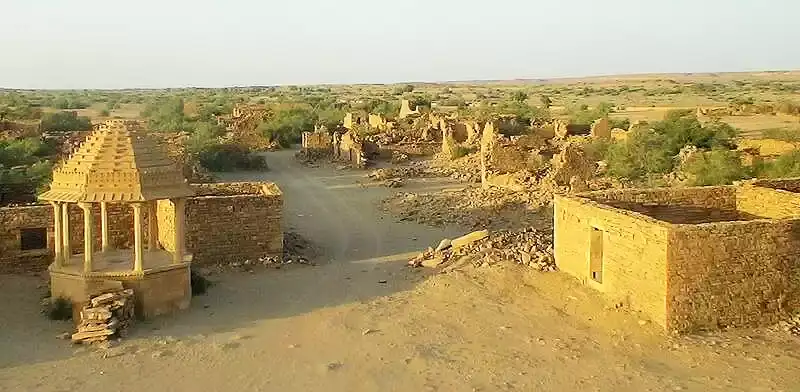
(690, 258)
(118, 164)
(242, 126)
(139, 225)
(406, 111)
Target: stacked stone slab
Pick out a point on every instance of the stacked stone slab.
(105, 316)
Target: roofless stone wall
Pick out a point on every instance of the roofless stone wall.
(229, 222)
(689, 258)
(225, 222)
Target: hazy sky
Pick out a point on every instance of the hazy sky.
(176, 43)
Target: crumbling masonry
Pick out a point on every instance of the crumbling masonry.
(689, 258)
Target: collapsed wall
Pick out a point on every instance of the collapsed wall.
(225, 222)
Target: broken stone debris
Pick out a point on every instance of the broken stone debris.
(105, 316)
(528, 247)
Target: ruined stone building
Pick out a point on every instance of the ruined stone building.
(224, 222)
(405, 109)
(317, 141)
(688, 258)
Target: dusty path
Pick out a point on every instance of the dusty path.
(361, 321)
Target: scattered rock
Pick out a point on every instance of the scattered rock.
(443, 244)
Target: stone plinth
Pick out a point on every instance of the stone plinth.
(161, 287)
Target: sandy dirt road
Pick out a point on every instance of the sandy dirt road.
(362, 321)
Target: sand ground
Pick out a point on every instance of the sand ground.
(362, 321)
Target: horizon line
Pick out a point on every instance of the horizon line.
(420, 82)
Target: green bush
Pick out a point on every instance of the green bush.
(287, 126)
(229, 157)
(641, 154)
(682, 128)
(65, 122)
(199, 283)
(717, 167)
(786, 165)
(519, 96)
(58, 309)
(462, 151)
(783, 134)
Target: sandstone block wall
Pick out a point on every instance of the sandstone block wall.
(232, 222)
(317, 141)
(225, 223)
(787, 184)
(707, 274)
(15, 219)
(732, 274)
(719, 197)
(767, 202)
(634, 252)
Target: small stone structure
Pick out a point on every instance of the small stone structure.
(224, 223)
(405, 109)
(317, 141)
(688, 258)
(351, 120)
(601, 129)
(118, 164)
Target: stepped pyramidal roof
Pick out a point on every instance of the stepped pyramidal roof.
(118, 162)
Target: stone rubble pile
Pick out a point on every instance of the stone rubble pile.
(527, 246)
(105, 316)
(792, 325)
(472, 207)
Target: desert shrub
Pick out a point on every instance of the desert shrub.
(229, 157)
(287, 126)
(788, 107)
(622, 123)
(105, 113)
(199, 283)
(462, 151)
(70, 102)
(58, 309)
(787, 135)
(717, 167)
(786, 165)
(581, 114)
(682, 128)
(641, 154)
(65, 122)
(546, 101)
(519, 96)
(596, 149)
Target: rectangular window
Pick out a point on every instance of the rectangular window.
(33, 239)
(596, 255)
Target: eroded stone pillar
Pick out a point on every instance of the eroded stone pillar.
(88, 236)
(57, 236)
(106, 246)
(66, 235)
(152, 226)
(137, 237)
(180, 230)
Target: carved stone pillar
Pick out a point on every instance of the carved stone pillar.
(57, 236)
(88, 236)
(106, 246)
(180, 230)
(152, 226)
(137, 233)
(66, 234)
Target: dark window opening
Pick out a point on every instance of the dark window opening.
(33, 239)
(596, 255)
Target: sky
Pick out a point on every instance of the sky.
(60, 44)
